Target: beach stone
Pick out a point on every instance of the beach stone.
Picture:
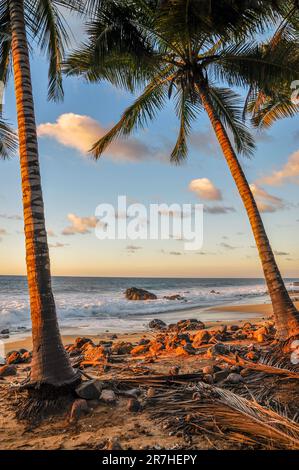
(174, 370)
(7, 371)
(79, 342)
(133, 293)
(142, 349)
(190, 324)
(14, 358)
(122, 347)
(157, 324)
(221, 375)
(202, 337)
(208, 379)
(174, 297)
(133, 405)
(151, 392)
(247, 326)
(189, 348)
(208, 370)
(144, 341)
(233, 327)
(79, 409)
(5, 331)
(234, 378)
(108, 396)
(218, 349)
(222, 329)
(90, 389)
(26, 356)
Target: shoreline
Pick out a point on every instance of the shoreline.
(221, 314)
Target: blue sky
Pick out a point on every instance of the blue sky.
(74, 184)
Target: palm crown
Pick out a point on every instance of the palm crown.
(174, 49)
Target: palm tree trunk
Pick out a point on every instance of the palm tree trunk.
(50, 364)
(285, 314)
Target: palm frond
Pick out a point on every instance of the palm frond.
(271, 109)
(228, 107)
(186, 111)
(8, 140)
(143, 110)
(5, 43)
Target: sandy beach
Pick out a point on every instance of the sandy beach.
(217, 315)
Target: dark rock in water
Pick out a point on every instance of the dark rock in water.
(134, 405)
(174, 297)
(89, 390)
(7, 371)
(133, 293)
(157, 324)
(79, 409)
(214, 292)
(5, 331)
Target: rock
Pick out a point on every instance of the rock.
(260, 338)
(236, 369)
(133, 293)
(233, 327)
(14, 358)
(157, 324)
(180, 351)
(26, 356)
(79, 409)
(247, 326)
(108, 396)
(174, 297)
(151, 392)
(219, 349)
(234, 378)
(79, 342)
(94, 353)
(190, 324)
(7, 371)
(133, 405)
(142, 349)
(89, 390)
(222, 329)
(5, 331)
(221, 375)
(174, 370)
(189, 349)
(122, 348)
(113, 444)
(208, 379)
(208, 370)
(144, 341)
(202, 337)
(214, 292)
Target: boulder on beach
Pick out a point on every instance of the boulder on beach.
(157, 324)
(133, 293)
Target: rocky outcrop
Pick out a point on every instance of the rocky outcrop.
(133, 293)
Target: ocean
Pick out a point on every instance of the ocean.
(99, 304)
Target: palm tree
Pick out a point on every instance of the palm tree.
(41, 20)
(179, 49)
(8, 140)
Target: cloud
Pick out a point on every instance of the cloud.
(289, 172)
(219, 209)
(227, 246)
(58, 245)
(281, 253)
(79, 224)
(81, 132)
(266, 202)
(10, 217)
(205, 189)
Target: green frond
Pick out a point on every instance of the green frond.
(271, 109)
(187, 111)
(5, 44)
(228, 107)
(136, 116)
(8, 140)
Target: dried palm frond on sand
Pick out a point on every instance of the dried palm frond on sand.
(203, 408)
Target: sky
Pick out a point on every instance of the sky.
(74, 185)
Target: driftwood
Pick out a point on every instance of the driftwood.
(267, 369)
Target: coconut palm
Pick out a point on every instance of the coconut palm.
(180, 50)
(8, 140)
(40, 21)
